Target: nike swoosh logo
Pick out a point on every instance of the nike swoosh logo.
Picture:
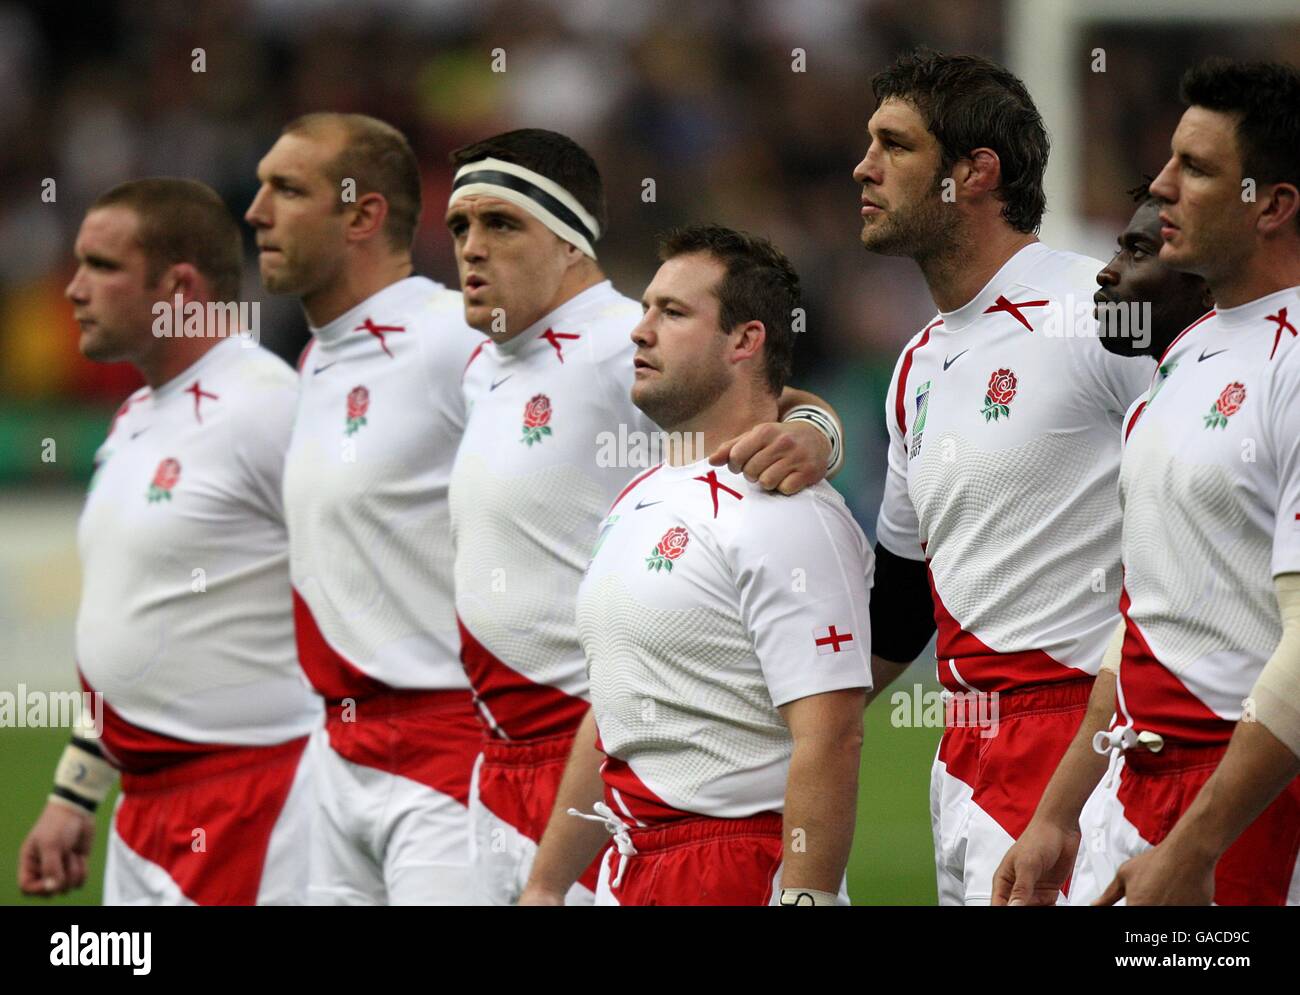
(1208, 355)
(322, 369)
(948, 362)
(500, 382)
(646, 504)
(139, 432)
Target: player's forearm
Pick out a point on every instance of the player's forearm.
(1082, 767)
(570, 844)
(1255, 769)
(820, 809)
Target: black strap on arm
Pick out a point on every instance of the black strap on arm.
(902, 610)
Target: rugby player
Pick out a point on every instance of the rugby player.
(998, 524)
(186, 621)
(725, 628)
(379, 417)
(1205, 798)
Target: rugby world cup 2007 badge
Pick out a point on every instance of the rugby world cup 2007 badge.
(922, 409)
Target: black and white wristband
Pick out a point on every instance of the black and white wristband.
(83, 777)
(807, 896)
(821, 418)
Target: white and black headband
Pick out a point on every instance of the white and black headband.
(544, 199)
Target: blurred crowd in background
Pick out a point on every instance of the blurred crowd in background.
(702, 98)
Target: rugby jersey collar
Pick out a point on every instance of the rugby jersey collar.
(348, 322)
(956, 320)
(194, 371)
(1260, 307)
(532, 334)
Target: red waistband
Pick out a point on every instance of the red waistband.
(397, 701)
(1173, 757)
(225, 760)
(1035, 699)
(702, 829)
(527, 752)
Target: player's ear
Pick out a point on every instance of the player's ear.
(983, 171)
(1280, 208)
(369, 214)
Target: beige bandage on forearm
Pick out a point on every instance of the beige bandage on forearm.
(1114, 650)
(1277, 692)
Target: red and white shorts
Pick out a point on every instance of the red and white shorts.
(513, 794)
(221, 828)
(698, 861)
(1143, 796)
(393, 775)
(987, 779)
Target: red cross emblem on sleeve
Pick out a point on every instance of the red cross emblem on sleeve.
(379, 331)
(1013, 309)
(828, 640)
(1282, 326)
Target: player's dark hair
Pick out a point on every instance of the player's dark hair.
(380, 160)
(759, 285)
(1141, 193)
(969, 102)
(1265, 98)
(183, 221)
(555, 156)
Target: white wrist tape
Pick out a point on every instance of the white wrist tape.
(1277, 691)
(83, 776)
(1114, 649)
(821, 418)
(807, 896)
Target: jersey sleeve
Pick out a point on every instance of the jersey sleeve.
(261, 437)
(1283, 424)
(897, 527)
(803, 570)
(1120, 380)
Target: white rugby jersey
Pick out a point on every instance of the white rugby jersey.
(1210, 483)
(535, 473)
(1003, 460)
(186, 620)
(708, 603)
(379, 418)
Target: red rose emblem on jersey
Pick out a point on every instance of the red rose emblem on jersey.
(358, 405)
(164, 479)
(1231, 398)
(668, 549)
(537, 419)
(1001, 392)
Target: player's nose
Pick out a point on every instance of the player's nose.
(75, 290)
(256, 214)
(1106, 276)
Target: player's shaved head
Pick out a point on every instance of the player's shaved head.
(378, 158)
(183, 221)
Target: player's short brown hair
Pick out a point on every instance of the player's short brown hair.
(759, 285)
(1264, 97)
(183, 221)
(970, 102)
(379, 159)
